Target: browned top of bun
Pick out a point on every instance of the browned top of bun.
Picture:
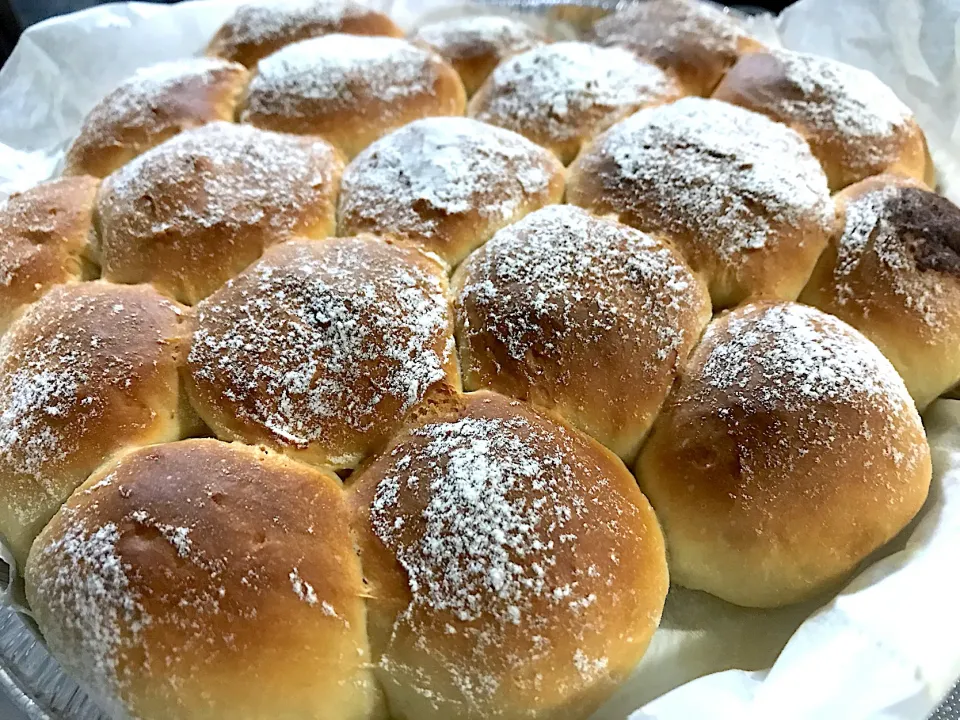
(789, 451)
(580, 315)
(45, 235)
(855, 124)
(192, 212)
(930, 227)
(446, 183)
(697, 40)
(560, 95)
(897, 249)
(183, 579)
(154, 104)
(260, 28)
(515, 568)
(323, 348)
(892, 270)
(350, 90)
(475, 45)
(84, 372)
(740, 195)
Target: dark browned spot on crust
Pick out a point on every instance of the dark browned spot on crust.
(929, 225)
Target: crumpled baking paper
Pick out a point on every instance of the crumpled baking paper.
(888, 646)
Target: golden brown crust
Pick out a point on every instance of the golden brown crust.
(446, 184)
(45, 240)
(856, 125)
(197, 209)
(562, 95)
(88, 370)
(153, 105)
(322, 349)
(350, 90)
(515, 568)
(740, 196)
(475, 45)
(695, 41)
(184, 579)
(790, 451)
(258, 29)
(584, 317)
(892, 271)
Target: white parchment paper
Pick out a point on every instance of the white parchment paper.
(887, 647)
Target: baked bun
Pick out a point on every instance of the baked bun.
(204, 580)
(739, 195)
(790, 451)
(196, 210)
(856, 125)
(561, 95)
(516, 571)
(88, 370)
(476, 45)
(695, 41)
(582, 316)
(258, 29)
(45, 235)
(893, 272)
(446, 184)
(350, 90)
(322, 349)
(155, 104)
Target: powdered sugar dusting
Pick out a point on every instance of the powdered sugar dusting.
(317, 341)
(245, 177)
(142, 104)
(259, 22)
(412, 180)
(531, 283)
(303, 589)
(567, 90)
(476, 520)
(339, 71)
(467, 37)
(178, 537)
(132, 103)
(503, 506)
(840, 98)
(665, 27)
(724, 175)
(99, 613)
(589, 667)
(871, 235)
(61, 368)
(792, 357)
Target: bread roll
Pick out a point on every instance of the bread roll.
(446, 184)
(194, 211)
(856, 125)
(515, 569)
(350, 90)
(260, 28)
(790, 451)
(45, 240)
(695, 41)
(892, 270)
(322, 349)
(582, 316)
(475, 45)
(204, 580)
(739, 195)
(155, 104)
(563, 94)
(88, 370)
